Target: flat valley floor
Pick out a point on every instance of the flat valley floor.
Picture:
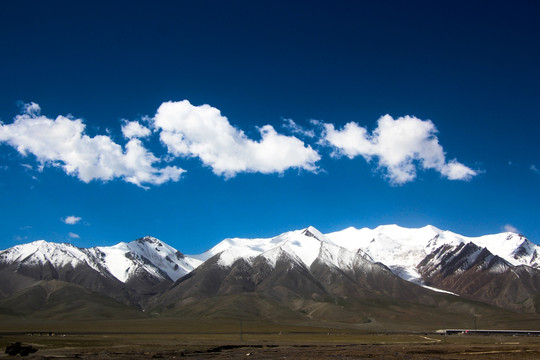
(251, 340)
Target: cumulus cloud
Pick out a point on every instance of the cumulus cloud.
(511, 228)
(398, 145)
(62, 143)
(71, 220)
(134, 129)
(201, 131)
(73, 235)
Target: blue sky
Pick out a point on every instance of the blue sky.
(197, 121)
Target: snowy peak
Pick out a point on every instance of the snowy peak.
(147, 257)
(162, 256)
(514, 248)
(41, 252)
(526, 252)
(409, 253)
(149, 240)
(305, 247)
(341, 258)
(501, 269)
(314, 233)
(301, 246)
(403, 249)
(455, 260)
(281, 253)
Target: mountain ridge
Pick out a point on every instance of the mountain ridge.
(302, 271)
(385, 244)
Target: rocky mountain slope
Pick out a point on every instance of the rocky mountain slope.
(127, 272)
(355, 275)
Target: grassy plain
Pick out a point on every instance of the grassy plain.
(231, 339)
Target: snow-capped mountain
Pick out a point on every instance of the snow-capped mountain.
(403, 249)
(301, 266)
(40, 252)
(148, 255)
(128, 272)
(435, 259)
(400, 249)
(296, 274)
(305, 244)
(124, 261)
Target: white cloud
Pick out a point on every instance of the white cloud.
(133, 129)
(510, 228)
(398, 145)
(534, 169)
(71, 220)
(73, 235)
(61, 142)
(294, 128)
(201, 131)
(31, 108)
(454, 170)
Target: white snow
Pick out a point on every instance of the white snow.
(338, 256)
(163, 256)
(272, 255)
(122, 260)
(125, 259)
(116, 262)
(40, 252)
(400, 249)
(229, 256)
(305, 247)
(302, 244)
(438, 290)
(504, 245)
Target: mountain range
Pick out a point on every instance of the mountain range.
(366, 277)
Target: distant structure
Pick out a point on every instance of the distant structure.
(488, 332)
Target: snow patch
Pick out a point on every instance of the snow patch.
(438, 290)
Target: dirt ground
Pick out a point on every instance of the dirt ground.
(384, 347)
(386, 352)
